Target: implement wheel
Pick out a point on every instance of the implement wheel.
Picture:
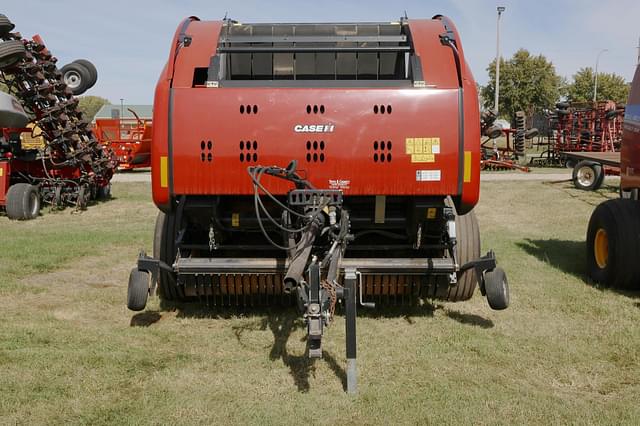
(613, 244)
(6, 26)
(11, 52)
(588, 175)
(467, 249)
(164, 250)
(497, 288)
(23, 202)
(138, 290)
(93, 72)
(77, 77)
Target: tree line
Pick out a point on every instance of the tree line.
(530, 83)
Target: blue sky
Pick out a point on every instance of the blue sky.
(129, 40)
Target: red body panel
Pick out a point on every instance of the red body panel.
(186, 116)
(630, 151)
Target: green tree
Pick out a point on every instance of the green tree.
(527, 83)
(611, 87)
(89, 105)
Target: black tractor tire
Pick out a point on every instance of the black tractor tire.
(164, 250)
(23, 202)
(138, 290)
(6, 26)
(613, 244)
(588, 175)
(496, 288)
(76, 77)
(467, 249)
(93, 71)
(11, 52)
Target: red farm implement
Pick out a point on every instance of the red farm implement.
(128, 138)
(314, 164)
(68, 166)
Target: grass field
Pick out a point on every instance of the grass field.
(566, 351)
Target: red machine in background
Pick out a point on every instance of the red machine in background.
(613, 236)
(314, 163)
(128, 138)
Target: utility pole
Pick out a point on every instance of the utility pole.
(638, 50)
(595, 83)
(497, 91)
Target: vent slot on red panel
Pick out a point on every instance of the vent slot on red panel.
(248, 109)
(382, 151)
(382, 109)
(206, 151)
(248, 151)
(315, 151)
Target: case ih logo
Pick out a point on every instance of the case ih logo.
(313, 128)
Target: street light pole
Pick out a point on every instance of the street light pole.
(497, 91)
(595, 83)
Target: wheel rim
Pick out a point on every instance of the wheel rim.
(33, 202)
(585, 176)
(601, 248)
(72, 79)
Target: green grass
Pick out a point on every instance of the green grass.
(566, 351)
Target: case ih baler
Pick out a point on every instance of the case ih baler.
(316, 163)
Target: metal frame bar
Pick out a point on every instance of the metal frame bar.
(314, 39)
(304, 49)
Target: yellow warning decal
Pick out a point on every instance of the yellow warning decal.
(422, 150)
(164, 176)
(467, 166)
(431, 213)
(1, 171)
(235, 220)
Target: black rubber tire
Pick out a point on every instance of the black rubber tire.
(93, 71)
(467, 249)
(164, 250)
(76, 77)
(620, 220)
(496, 287)
(138, 290)
(588, 175)
(23, 202)
(104, 192)
(11, 52)
(6, 26)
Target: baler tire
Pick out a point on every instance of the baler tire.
(82, 75)
(6, 26)
(163, 249)
(588, 175)
(138, 290)
(496, 287)
(613, 244)
(11, 52)
(93, 72)
(23, 202)
(467, 249)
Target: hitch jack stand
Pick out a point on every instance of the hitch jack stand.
(349, 295)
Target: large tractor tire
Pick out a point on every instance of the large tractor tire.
(613, 244)
(164, 250)
(467, 249)
(23, 202)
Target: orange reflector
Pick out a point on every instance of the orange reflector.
(164, 176)
(467, 166)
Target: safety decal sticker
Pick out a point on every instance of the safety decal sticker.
(428, 175)
(422, 150)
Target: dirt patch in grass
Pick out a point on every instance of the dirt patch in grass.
(70, 352)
